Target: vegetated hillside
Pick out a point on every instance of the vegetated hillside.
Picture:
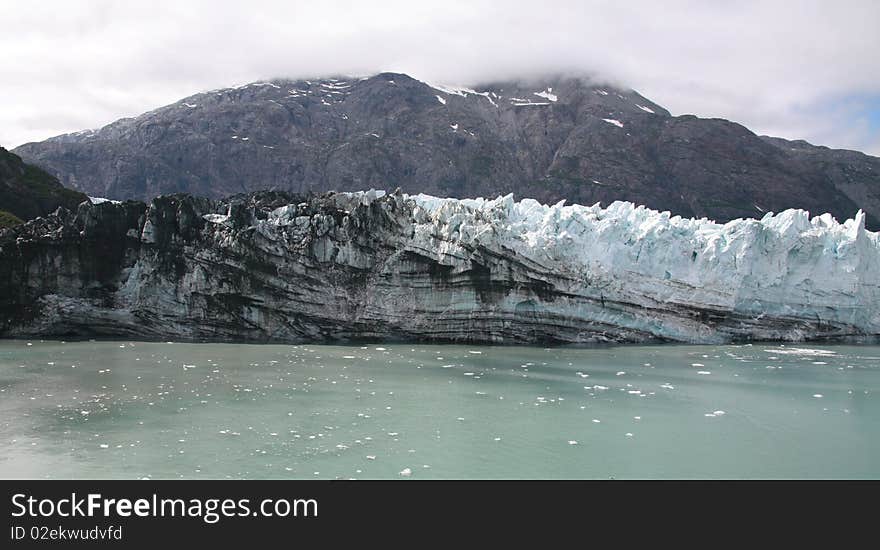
(27, 191)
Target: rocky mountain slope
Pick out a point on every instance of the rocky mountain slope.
(272, 267)
(557, 138)
(27, 191)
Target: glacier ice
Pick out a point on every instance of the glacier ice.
(785, 265)
(374, 265)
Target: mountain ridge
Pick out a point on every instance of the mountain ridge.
(552, 139)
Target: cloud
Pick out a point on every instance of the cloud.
(781, 68)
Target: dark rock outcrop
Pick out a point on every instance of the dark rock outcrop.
(559, 138)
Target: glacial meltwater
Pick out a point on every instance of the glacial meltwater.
(173, 410)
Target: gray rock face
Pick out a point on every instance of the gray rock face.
(273, 267)
(559, 138)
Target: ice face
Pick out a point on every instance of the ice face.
(786, 264)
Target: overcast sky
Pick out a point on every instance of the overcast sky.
(795, 68)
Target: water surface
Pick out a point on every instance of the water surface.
(172, 410)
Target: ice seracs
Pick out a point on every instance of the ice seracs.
(785, 265)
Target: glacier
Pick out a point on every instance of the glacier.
(785, 266)
(273, 267)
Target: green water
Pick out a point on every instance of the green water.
(163, 410)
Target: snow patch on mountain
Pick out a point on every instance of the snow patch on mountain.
(548, 94)
(99, 200)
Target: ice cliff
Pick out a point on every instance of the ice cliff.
(273, 267)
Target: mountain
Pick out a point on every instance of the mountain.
(27, 191)
(273, 267)
(551, 139)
